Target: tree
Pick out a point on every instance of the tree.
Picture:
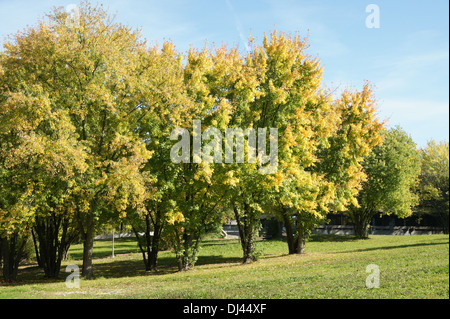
(348, 129)
(231, 182)
(282, 87)
(392, 171)
(167, 107)
(16, 204)
(38, 157)
(88, 76)
(320, 144)
(434, 181)
(14, 233)
(198, 190)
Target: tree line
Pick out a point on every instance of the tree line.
(86, 116)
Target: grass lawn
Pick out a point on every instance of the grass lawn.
(333, 267)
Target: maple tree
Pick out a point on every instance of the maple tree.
(433, 189)
(392, 171)
(321, 142)
(198, 184)
(167, 107)
(87, 77)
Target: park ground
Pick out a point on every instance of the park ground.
(332, 267)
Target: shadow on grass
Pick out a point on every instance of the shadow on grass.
(390, 247)
(103, 248)
(219, 259)
(166, 265)
(219, 242)
(332, 238)
(32, 274)
(113, 268)
(318, 238)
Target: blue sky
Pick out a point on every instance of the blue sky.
(406, 58)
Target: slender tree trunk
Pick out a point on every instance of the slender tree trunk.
(153, 260)
(300, 242)
(53, 244)
(5, 254)
(36, 249)
(88, 247)
(246, 228)
(289, 233)
(144, 257)
(153, 254)
(180, 262)
(12, 249)
(63, 246)
(1, 253)
(178, 249)
(148, 239)
(151, 248)
(187, 262)
(44, 232)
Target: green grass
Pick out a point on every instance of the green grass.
(333, 267)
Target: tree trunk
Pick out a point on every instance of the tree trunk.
(361, 220)
(6, 261)
(153, 260)
(249, 250)
(246, 228)
(87, 234)
(153, 255)
(53, 245)
(38, 259)
(361, 230)
(443, 219)
(296, 242)
(12, 250)
(186, 257)
(1, 253)
(289, 233)
(150, 248)
(180, 262)
(300, 242)
(88, 247)
(144, 257)
(45, 233)
(185, 262)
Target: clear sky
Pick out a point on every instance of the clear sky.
(406, 58)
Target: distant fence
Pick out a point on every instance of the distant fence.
(379, 230)
(231, 231)
(118, 235)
